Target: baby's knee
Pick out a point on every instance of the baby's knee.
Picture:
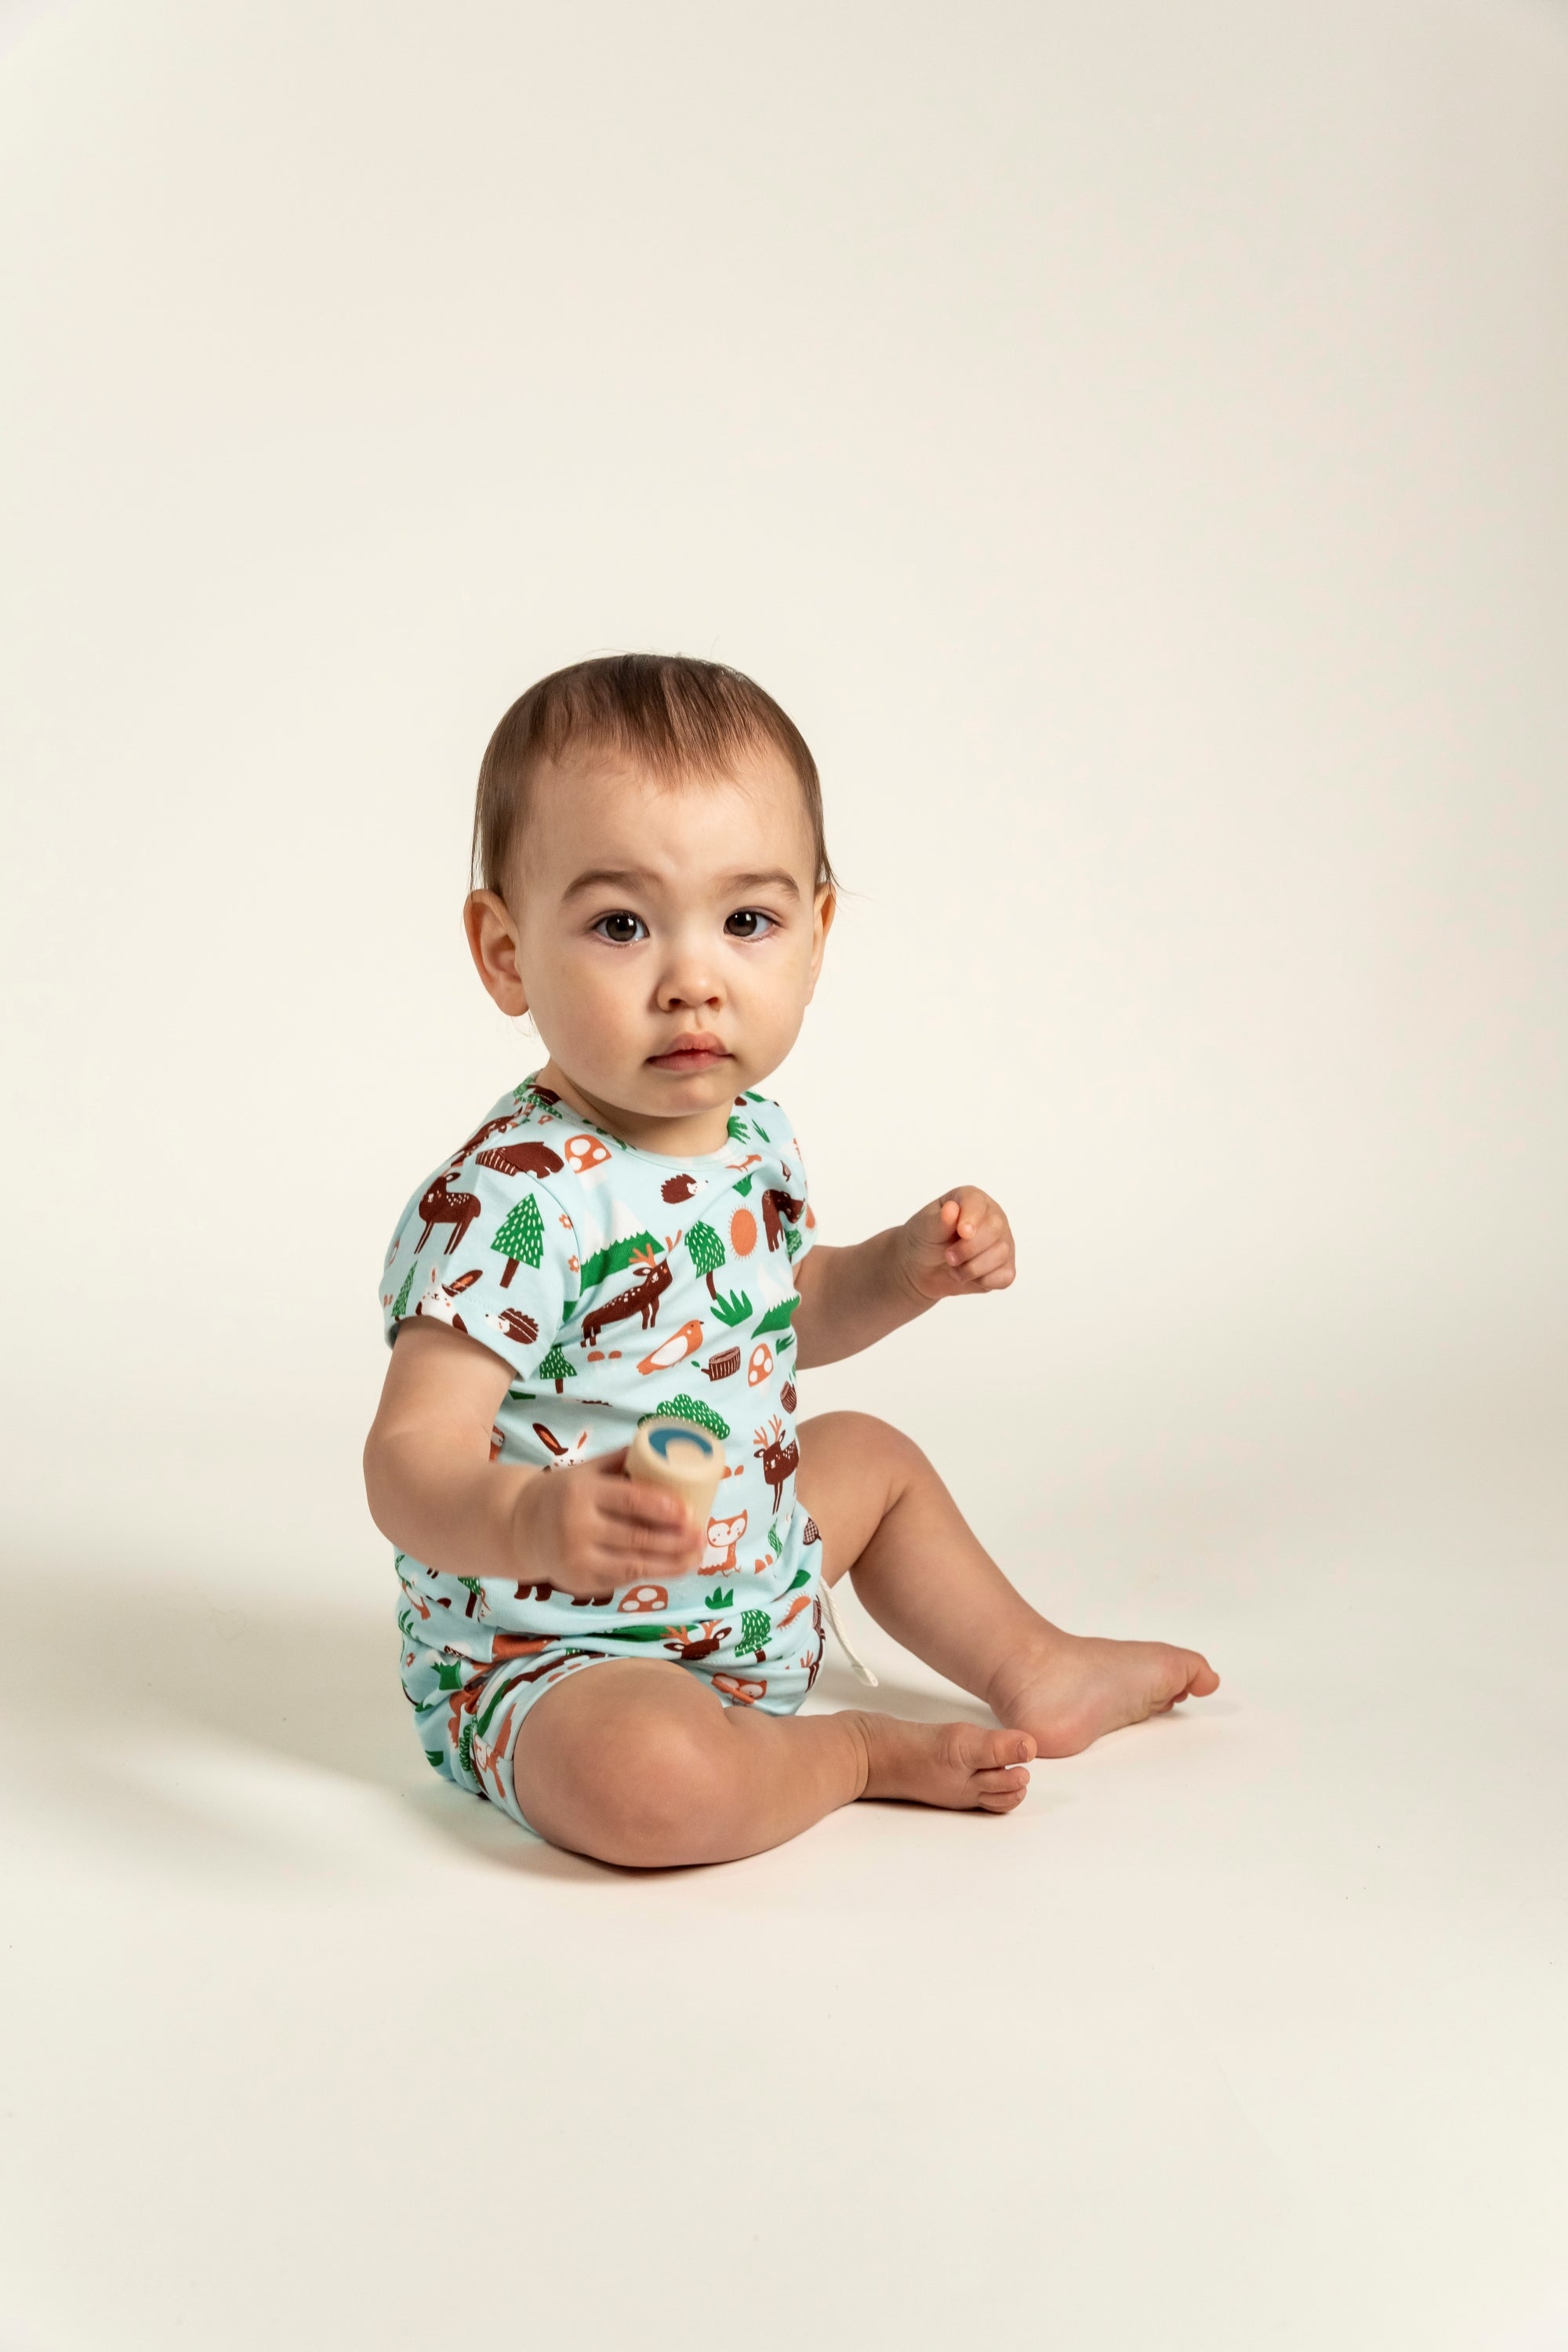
(869, 1442)
(644, 1794)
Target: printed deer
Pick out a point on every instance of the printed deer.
(689, 1647)
(779, 1462)
(653, 1278)
(441, 1207)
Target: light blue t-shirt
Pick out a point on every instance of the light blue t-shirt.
(617, 1284)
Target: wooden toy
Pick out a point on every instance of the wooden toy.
(684, 1459)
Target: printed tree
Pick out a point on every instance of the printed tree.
(400, 1306)
(686, 1408)
(521, 1239)
(756, 1626)
(791, 1240)
(555, 1367)
(707, 1254)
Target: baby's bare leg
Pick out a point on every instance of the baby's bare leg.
(917, 1566)
(638, 1762)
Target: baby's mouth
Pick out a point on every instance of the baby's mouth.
(699, 1055)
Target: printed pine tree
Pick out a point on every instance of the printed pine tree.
(756, 1626)
(556, 1367)
(400, 1305)
(707, 1253)
(791, 1240)
(521, 1239)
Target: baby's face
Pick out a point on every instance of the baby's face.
(666, 938)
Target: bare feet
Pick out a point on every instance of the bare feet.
(957, 1764)
(1072, 1688)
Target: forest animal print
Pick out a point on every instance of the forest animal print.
(613, 1286)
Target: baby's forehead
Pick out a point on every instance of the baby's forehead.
(600, 801)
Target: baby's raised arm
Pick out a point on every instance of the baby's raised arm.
(955, 1248)
(435, 1493)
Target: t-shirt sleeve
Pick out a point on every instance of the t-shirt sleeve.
(493, 1255)
(800, 1231)
(793, 1202)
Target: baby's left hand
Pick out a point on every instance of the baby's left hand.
(958, 1245)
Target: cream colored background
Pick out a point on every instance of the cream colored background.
(1130, 441)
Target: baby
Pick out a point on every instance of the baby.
(629, 1231)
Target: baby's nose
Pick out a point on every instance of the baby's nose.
(690, 983)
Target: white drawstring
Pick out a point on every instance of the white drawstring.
(845, 1644)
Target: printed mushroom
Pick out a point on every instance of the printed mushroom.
(643, 1600)
(762, 1363)
(585, 1151)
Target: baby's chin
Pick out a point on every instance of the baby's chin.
(649, 1088)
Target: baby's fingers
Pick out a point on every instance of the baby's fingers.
(991, 1262)
(647, 1521)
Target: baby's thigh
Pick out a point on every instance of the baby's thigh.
(606, 1758)
(853, 1469)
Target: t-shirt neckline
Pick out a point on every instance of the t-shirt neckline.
(638, 1151)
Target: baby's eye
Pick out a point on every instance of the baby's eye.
(749, 914)
(619, 939)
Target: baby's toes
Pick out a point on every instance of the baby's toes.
(1000, 1771)
(998, 1792)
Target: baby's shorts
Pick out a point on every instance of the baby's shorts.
(468, 1711)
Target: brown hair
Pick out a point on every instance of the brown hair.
(674, 715)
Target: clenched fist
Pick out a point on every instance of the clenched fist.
(590, 1529)
(957, 1246)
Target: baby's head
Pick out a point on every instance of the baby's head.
(648, 843)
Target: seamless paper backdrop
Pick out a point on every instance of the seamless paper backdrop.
(1129, 440)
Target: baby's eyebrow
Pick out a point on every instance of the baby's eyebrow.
(631, 875)
(610, 875)
(774, 879)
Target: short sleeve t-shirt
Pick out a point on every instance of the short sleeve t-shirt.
(617, 1284)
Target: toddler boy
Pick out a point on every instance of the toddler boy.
(629, 1231)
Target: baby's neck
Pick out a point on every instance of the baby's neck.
(696, 1133)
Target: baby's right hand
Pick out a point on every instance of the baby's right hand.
(591, 1528)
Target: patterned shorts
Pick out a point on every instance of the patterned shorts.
(469, 1712)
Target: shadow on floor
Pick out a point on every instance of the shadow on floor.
(128, 1663)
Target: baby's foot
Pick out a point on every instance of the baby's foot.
(958, 1764)
(1073, 1688)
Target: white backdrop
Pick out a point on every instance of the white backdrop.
(1130, 442)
